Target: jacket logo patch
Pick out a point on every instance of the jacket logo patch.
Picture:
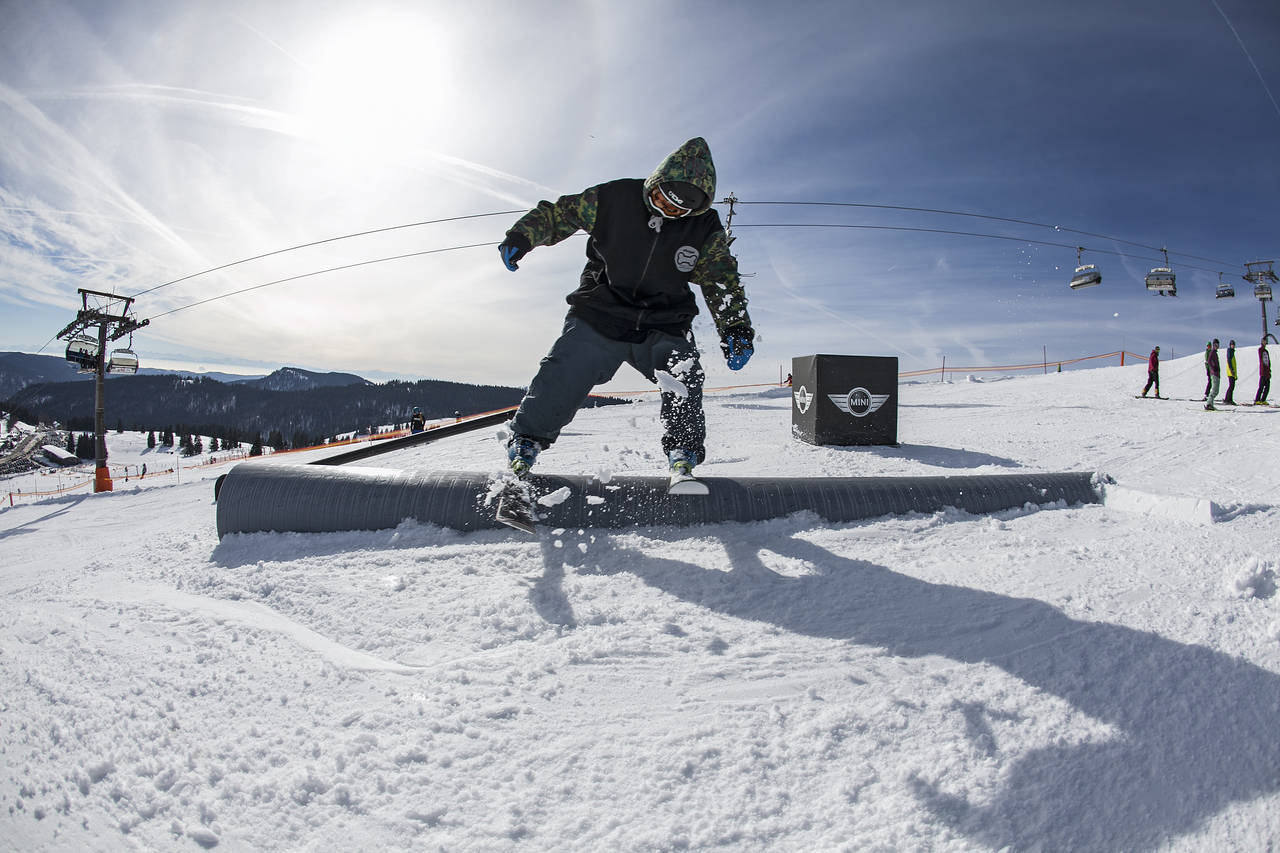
(686, 258)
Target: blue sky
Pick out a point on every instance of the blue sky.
(144, 141)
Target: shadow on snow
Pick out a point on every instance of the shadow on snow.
(1197, 725)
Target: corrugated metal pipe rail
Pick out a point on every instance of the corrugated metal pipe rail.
(306, 499)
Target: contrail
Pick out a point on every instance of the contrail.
(1247, 56)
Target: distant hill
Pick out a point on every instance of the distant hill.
(20, 369)
(297, 379)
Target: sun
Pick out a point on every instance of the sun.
(377, 80)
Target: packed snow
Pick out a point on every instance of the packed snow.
(1095, 677)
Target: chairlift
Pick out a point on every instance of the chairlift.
(123, 361)
(1225, 290)
(1086, 275)
(1162, 279)
(82, 351)
(1262, 290)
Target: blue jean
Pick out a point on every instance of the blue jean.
(582, 358)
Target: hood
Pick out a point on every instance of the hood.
(690, 162)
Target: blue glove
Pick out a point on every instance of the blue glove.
(737, 350)
(512, 249)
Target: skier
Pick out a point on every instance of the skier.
(1208, 373)
(1153, 372)
(1228, 398)
(1264, 374)
(417, 422)
(1215, 375)
(648, 240)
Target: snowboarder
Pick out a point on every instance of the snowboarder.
(1153, 372)
(1215, 375)
(417, 422)
(648, 240)
(1264, 375)
(1228, 398)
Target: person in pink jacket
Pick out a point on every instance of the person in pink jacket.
(1153, 372)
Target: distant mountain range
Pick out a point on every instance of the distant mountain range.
(301, 405)
(20, 369)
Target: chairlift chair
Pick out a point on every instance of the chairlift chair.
(1162, 279)
(123, 361)
(1225, 290)
(1086, 275)
(82, 351)
(1262, 290)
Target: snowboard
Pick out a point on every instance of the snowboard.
(686, 484)
(1149, 397)
(515, 506)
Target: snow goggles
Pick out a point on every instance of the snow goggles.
(668, 202)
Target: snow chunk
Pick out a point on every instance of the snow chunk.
(1256, 579)
(557, 497)
(669, 384)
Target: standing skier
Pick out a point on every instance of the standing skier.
(1228, 398)
(1208, 372)
(1264, 374)
(1215, 375)
(1153, 372)
(648, 240)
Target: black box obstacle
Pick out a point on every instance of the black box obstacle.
(844, 399)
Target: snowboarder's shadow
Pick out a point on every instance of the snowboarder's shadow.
(1195, 727)
(547, 593)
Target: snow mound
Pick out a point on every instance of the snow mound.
(1191, 510)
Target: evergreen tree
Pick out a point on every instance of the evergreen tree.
(213, 444)
(71, 442)
(119, 426)
(151, 440)
(256, 448)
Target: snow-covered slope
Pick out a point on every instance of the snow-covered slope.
(1102, 677)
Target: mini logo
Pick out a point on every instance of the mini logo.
(803, 399)
(859, 402)
(686, 258)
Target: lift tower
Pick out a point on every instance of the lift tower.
(109, 316)
(1261, 277)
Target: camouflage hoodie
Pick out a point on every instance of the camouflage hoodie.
(639, 265)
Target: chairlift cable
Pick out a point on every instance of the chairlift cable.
(960, 233)
(317, 272)
(326, 240)
(984, 216)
